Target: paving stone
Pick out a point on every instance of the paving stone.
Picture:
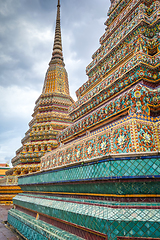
(5, 233)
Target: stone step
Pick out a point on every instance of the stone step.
(101, 219)
(33, 229)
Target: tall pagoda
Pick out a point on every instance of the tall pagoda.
(103, 181)
(50, 113)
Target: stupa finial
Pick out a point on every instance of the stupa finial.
(57, 55)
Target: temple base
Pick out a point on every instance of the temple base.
(92, 200)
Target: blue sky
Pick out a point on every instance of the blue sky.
(26, 41)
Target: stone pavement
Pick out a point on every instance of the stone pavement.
(5, 233)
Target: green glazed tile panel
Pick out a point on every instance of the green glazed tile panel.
(48, 205)
(104, 169)
(133, 222)
(34, 229)
(88, 201)
(111, 187)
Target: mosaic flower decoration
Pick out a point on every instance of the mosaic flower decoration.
(103, 144)
(61, 157)
(78, 152)
(146, 138)
(122, 140)
(90, 148)
(54, 159)
(69, 152)
(68, 157)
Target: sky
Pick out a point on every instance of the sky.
(26, 41)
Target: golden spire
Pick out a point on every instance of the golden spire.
(56, 80)
(57, 55)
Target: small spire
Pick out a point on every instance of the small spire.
(57, 55)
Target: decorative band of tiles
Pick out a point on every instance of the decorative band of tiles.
(114, 222)
(148, 198)
(118, 168)
(138, 99)
(130, 135)
(64, 225)
(32, 228)
(136, 238)
(99, 211)
(139, 205)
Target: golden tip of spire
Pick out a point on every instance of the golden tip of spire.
(58, 3)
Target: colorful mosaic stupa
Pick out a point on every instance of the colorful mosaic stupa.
(50, 113)
(103, 181)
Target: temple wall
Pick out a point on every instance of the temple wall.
(132, 134)
(110, 197)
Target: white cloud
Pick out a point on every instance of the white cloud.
(16, 108)
(6, 7)
(9, 146)
(17, 102)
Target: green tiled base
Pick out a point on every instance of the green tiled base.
(132, 220)
(120, 177)
(127, 177)
(34, 229)
(118, 188)
(89, 201)
(128, 167)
